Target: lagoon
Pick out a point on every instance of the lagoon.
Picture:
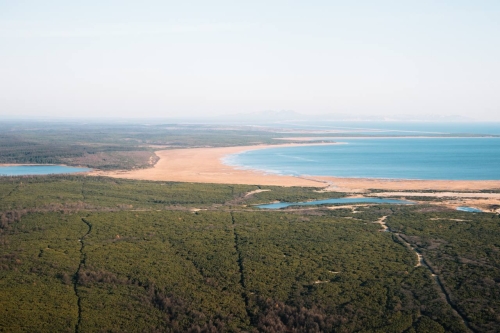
(279, 205)
(469, 209)
(24, 170)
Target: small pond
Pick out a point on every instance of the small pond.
(279, 205)
(24, 170)
(469, 209)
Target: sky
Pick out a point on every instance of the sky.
(197, 58)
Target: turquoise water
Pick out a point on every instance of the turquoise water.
(22, 170)
(278, 205)
(393, 158)
(469, 209)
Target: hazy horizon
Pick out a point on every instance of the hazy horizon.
(121, 59)
(258, 116)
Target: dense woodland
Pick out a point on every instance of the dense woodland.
(89, 254)
(464, 250)
(95, 254)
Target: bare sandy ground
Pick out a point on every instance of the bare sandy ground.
(487, 202)
(364, 184)
(204, 165)
(439, 195)
(255, 192)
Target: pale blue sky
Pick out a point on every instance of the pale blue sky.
(171, 58)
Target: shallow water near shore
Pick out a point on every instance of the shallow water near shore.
(25, 170)
(386, 158)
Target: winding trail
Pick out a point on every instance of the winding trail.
(422, 262)
(442, 288)
(83, 259)
(381, 221)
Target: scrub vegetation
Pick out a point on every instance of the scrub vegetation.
(84, 254)
(464, 249)
(113, 146)
(96, 254)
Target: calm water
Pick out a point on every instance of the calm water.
(469, 209)
(278, 205)
(397, 158)
(22, 170)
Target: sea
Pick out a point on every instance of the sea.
(473, 154)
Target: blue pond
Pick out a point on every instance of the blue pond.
(469, 209)
(279, 205)
(24, 170)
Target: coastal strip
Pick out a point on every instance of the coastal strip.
(205, 165)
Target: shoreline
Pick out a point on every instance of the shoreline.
(205, 165)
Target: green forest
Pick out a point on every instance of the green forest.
(95, 254)
(112, 146)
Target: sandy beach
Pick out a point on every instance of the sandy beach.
(204, 165)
